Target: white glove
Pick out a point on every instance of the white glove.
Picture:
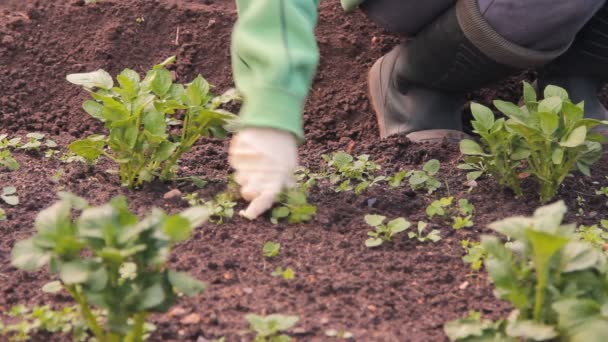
(264, 160)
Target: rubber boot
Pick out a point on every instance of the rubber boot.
(419, 87)
(583, 69)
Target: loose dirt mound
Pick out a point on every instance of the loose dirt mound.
(401, 292)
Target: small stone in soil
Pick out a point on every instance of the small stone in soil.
(175, 193)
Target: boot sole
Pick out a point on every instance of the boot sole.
(425, 136)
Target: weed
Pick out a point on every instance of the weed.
(475, 254)
(294, 207)
(9, 195)
(287, 273)
(383, 232)
(545, 139)
(271, 249)
(107, 258)
(555, 282)
(419, 233)
(138, 113)
(269, 328)
(2, 215)
(462, 216)
(347, 173)
(425, 178)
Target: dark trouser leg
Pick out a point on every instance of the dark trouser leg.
(420, 85)
(584, 68)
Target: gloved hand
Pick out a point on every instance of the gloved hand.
(264, 160)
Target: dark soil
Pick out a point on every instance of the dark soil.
(403, 291)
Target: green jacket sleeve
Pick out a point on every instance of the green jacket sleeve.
(274, 58)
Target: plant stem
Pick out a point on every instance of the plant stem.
(137, 334)
(86, 312)
(540, 296)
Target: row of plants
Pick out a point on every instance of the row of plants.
(554, 275)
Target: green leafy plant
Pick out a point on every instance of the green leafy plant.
(9, 195)
(475, 254)
(271, 249)
(287, 273)
(462, 216)
(294, 207)
(556, 283)
(347, 173)
(141, 117)
(41, 319)
(595, 235)
(108, 259)
(35, 141)
(421, 235)
(269, 328)
(8, 161)
(397, 179)
(221, 207)
(425, 178)
(383, 232)
(2, 215)
(546, 139)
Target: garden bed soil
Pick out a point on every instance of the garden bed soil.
(402, 291)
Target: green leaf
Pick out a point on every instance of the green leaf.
(9, 190)
(471, 176)
(170, 60)
(161, 81)
(10, 199)
(511, 110)
(271, 249)
(555, 91)
(27, 256)
(576, 137)
(74, 272)
(177, 228)
(52, 287)
(196, 215)
(280, 212)
(431, 167)
(398, 225)
(530, 330)
(151, 297)
(578, 256)
(96, 79)
(373, 242)
(483, 116)
(94, 109)
(530, 96)
(557, 156)
(87, 148)
(470, 147)
(186, 284)
(549, 122)
(374, 220)
(582, 320)
(550, 105)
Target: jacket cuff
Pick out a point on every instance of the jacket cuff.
(273, 108)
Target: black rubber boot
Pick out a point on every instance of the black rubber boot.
(419, 87)
(583, 69)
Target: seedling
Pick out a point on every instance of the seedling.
(347, 173)
(397, 179)
(269, 328)
(221, 207)
(384, 232)
(40, 319)
(340, 334)
(108, 259)
(137, 114)
(9, 195)
(2, 215)
(595, 235)
(35, 141)
(287, 273)
(8, 161)
(556, 283)
(475, 254)
(271, 249)
(546, 139)
(294, 207)
(71, 157)
(420, 233)
(425, 178)
(462, 216)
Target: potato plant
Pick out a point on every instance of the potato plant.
(107, 259)
(557, 284)
(425, 178)
(269, 328)
(461, 216)
(347, 173)
(420, 233)
(383, 232)
(142, 118)
(293, 206)
(546, 139)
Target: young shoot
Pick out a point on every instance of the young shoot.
(425, 178)
(270, 328)
(347, 173)
(461, 216)
(271, 249)
(294, 207)
(107, 259)
(384, 232)
(137, 114)
(421, 235)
